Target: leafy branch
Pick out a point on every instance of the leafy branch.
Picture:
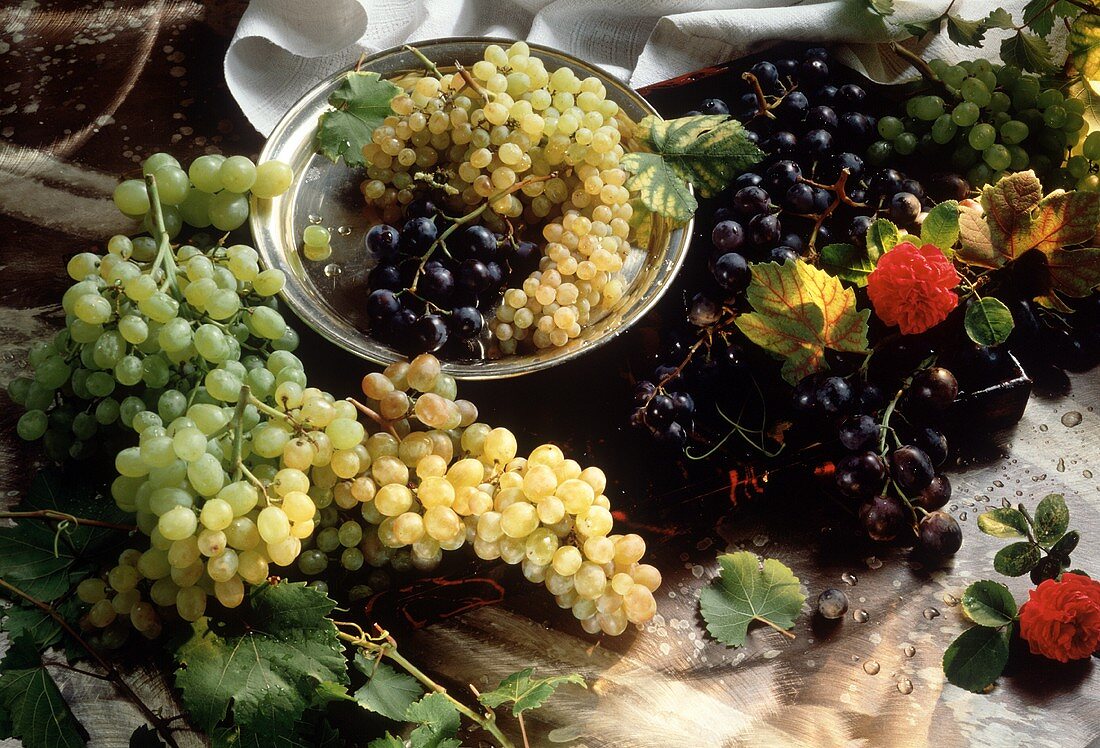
(1046, 544)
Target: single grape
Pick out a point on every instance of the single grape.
(940, 534)
(832, 604)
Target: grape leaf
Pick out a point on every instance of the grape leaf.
(1039, 16)
(799, 311)
(268, 663)
(145, 737)
(1000, 18)
(882, 236)
(387, 741)
(745, 592)
(966, 33)
(387, 691)
(1083, 44)
(439, 722)
(43, 630)
(1003, 522)
(1051, 518)
(847, 263)
(988, 321)
(920, 28)
(706, 151)
(38, 713)
(988, 603)
(359, 104)
(1074, 272)
(977, 657)
(1028, 52)
(525, 692)
(941, 226)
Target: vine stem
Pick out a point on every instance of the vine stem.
(164, 248)
(432, 67)
(371, 414)
(923, 68)
(775, 626)
(761, 102)
(50, 514)
(388, 648)
(112, 673)
(238, 430)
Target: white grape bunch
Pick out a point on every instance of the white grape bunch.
(543, 148)
(437, 479)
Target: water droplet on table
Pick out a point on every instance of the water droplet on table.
(905, 686)
(909, 650)
(343, 230)
(1006, 503)
(314, 218)
(849, 578)
(873, 562)
(871, 667)
(859, 615)
(962, 516)
(999, 483)
(950, 600)
(1061, 466)
(1043, 427)
(1086, 473)
(332, 270)
(1071, 419)
(760, 540)
(931, 613)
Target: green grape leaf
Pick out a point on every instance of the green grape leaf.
(307, 733)
(1051, 518)
(1083, 44)
(1038, 15)
(989, 603)
(266, 663)
(659, 189)
(975, 659)
(38, 714)
(707, 151)
(387, 691)
(847, 263)
(1000, 19)
(799, 311)
(439, 722)
(387, 741)
(988, 321)
(966, 33)
(25, 620)
(881, 7)
(882, 236)
(746, 591)
(1017, 559)
(525, 692)
(941, 226)
(1003, 522)
(920, 28)
(46, 560)
(1074, 272)
(641, 223)
(145, 737)
(1028, 52)
(359, 104)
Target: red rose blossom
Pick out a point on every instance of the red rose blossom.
(911, 287)
(1061, 620)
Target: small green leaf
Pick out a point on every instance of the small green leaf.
(1028, 52)
(658, 186)
(439, 722)
(977, 658)
(525, 692)
(882, 236)
(1084, 44)
(39, 715)
(964, 32)
(1039, 16)
(1004, 522)
(920, 28)
(988, 321)
(360, 103)
(989, 603)
(1001, 19)
(847, 263)
(33, 622)
(1017, 559)
(1051, 518)
(388, 692)
(1066, 544)
(941, 226)
(745, 591)
(387, 741)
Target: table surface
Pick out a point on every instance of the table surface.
(86, 91)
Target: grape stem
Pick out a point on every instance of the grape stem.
(386, 646)
(158, 723)
(50, 515)
(469, 79)
(923, 68)
(238, 430)
(762, 106)
(839, 196)
(431, 66)
(371, 414)
(164, 248)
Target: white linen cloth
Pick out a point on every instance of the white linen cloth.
(284, 47)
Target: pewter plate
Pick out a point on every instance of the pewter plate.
(330, 296)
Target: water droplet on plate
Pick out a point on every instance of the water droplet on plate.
(950, 600)
(1086, 473)
(1061, 466)
(873, 562)
(1006, 503)
(314, 218)
(905, 686)
(760, 540)
(909, 650)
(343, 230)
(871, 667)
(931, 613)
(859, 615)
(1043, 427)
(962, 516)
(1071, 419)
(849, 578)
(332, 270)
(999, 483)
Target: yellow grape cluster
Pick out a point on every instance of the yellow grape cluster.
(544, 148)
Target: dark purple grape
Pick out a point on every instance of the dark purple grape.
(684, 404)
(883, 518)
(940, 535)
(781, 175)
(666, 373)
(793, 107)
(816, 143)
(703, 310)
(826, 95)
(804, 397)
(382, 304)
(748, 179)
(832, 604)
(934, 495)
(859, 433)
(885, 183)
(857, 230)
(933, 443)
(385, 276)
(751, 201)
(800, 198)
(911, 468)
(766, 74)
(794, 241)
(813, 73)
(871, 398)
(816, 53)
(401, 327)
(421, 207)
(841, 161)
(781, 254)
(418, 234)
(822, 199)
(728, 236)
(732, 272)
(851, 96)
(466, 322)
(781, 142)
(383, 240)
(671, 435)
(834, 395)
(430, 333)
(436, 284)
(714, 106)
(660, 411)
(496, 274)
(854, 127)
(934, 387)
(913, 187)
(824, 236)
(949, 187)
(861, 475)
(821, 117)
(786, 68)
(643, 391)
(476, 241)
(524, 255)
(765, 229)
(904, 208)
(473, 276)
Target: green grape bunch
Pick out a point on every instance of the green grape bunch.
(993, 119)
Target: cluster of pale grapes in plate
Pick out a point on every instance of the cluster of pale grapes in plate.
(544, 149)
